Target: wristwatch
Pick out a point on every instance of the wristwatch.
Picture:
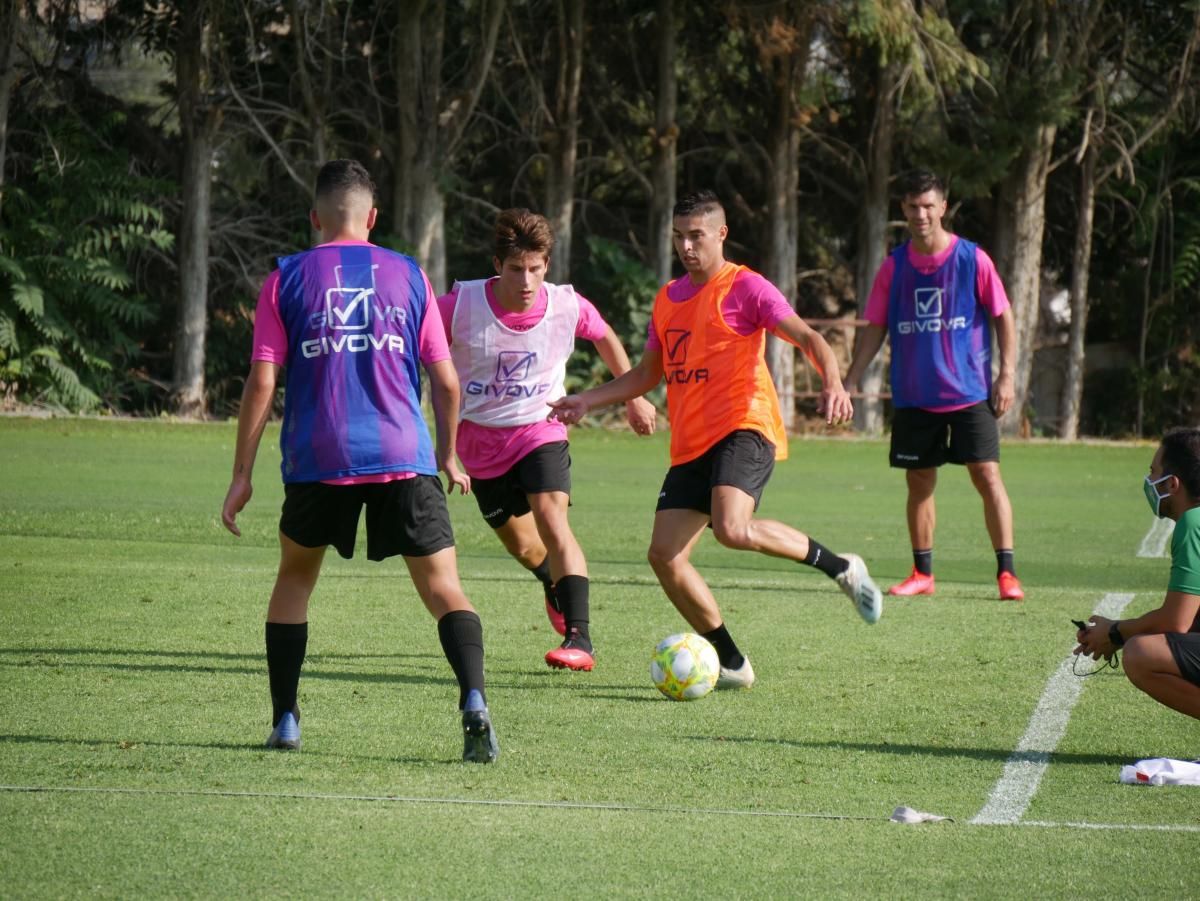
(1114, 636)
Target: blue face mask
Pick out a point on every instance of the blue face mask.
(1153, 498)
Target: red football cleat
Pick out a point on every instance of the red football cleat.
(557, 620)
(573, 653)
(1010, 587)
(917, 583)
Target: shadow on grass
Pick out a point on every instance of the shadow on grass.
(251, 747)
(999, 755)
(313, 664)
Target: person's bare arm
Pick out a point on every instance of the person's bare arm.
(1176, 614)
(870, 339)
(1004, 391)
(444, 395)
(835, 402)
(639, 412)
(643, 377)
(258, 396)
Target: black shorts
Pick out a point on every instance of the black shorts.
(545, 468)
(1185, 648)
(923, 440)
(405, 516)
(743, 459)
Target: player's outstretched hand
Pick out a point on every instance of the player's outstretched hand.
(835, 405)
(236, 499)
(456, 476)
(642, 415)
(569, 409)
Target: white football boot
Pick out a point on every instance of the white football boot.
(742, 677)
(858, 585)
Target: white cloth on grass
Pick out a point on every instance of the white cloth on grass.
(1161, 771)
(910, 817)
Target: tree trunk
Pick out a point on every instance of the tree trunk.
(563, 150)
(1080, 263)
(872, 238)
(783, 227)
(1025, 222)
(418, 208)
(666, 138)
(428, 132)
(197, 123)
(9, 15)
(314, 98)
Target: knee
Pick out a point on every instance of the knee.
(735, 535)
(986, 477)
(663, 559)
(921, 482)
(529, 554)
(1136, 657)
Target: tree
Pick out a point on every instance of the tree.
(666, 140)
(434, 109)
(199, 117)
(780, 33)
(9, 73)
(1037, 62)
(1125, 107)
(562, 137)
(82, 218)
(902, 62)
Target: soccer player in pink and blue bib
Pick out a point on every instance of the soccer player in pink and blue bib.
(351, 323)
(510, 337)
(934, 298)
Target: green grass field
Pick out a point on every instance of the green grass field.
(133, 695)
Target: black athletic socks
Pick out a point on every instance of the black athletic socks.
(822, 558)
(923, 561)
(286, 644)
(542, 573)
(1004, 562)
(461, 634)
(572, 595)
(727, 651)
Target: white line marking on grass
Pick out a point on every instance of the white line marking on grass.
(1023, 772)
(398, 799)
(1154, 543)
(1133, 827)
(554, 805)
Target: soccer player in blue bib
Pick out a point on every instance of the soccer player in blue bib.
(935, 297)
(351, 323)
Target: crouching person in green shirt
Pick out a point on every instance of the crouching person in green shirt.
(1162, 647)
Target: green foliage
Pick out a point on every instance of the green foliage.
(623, 290)
(71, 315)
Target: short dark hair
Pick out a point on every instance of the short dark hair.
(918, 181)
(520, 231)
(697, 203)
(343, 176)
(1181, 458)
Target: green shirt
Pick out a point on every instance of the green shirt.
(1185, 554)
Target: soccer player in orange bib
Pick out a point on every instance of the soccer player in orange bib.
(707, 337)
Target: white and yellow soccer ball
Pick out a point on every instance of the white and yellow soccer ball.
(684, 666)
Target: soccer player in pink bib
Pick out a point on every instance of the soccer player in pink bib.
(510, 337)
(350, 323)
(934, 298)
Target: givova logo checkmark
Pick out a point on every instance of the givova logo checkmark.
(513, 365)
(677, 344)
(348, 309)
(929, 302)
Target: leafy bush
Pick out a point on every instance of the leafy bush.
(76, 221)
